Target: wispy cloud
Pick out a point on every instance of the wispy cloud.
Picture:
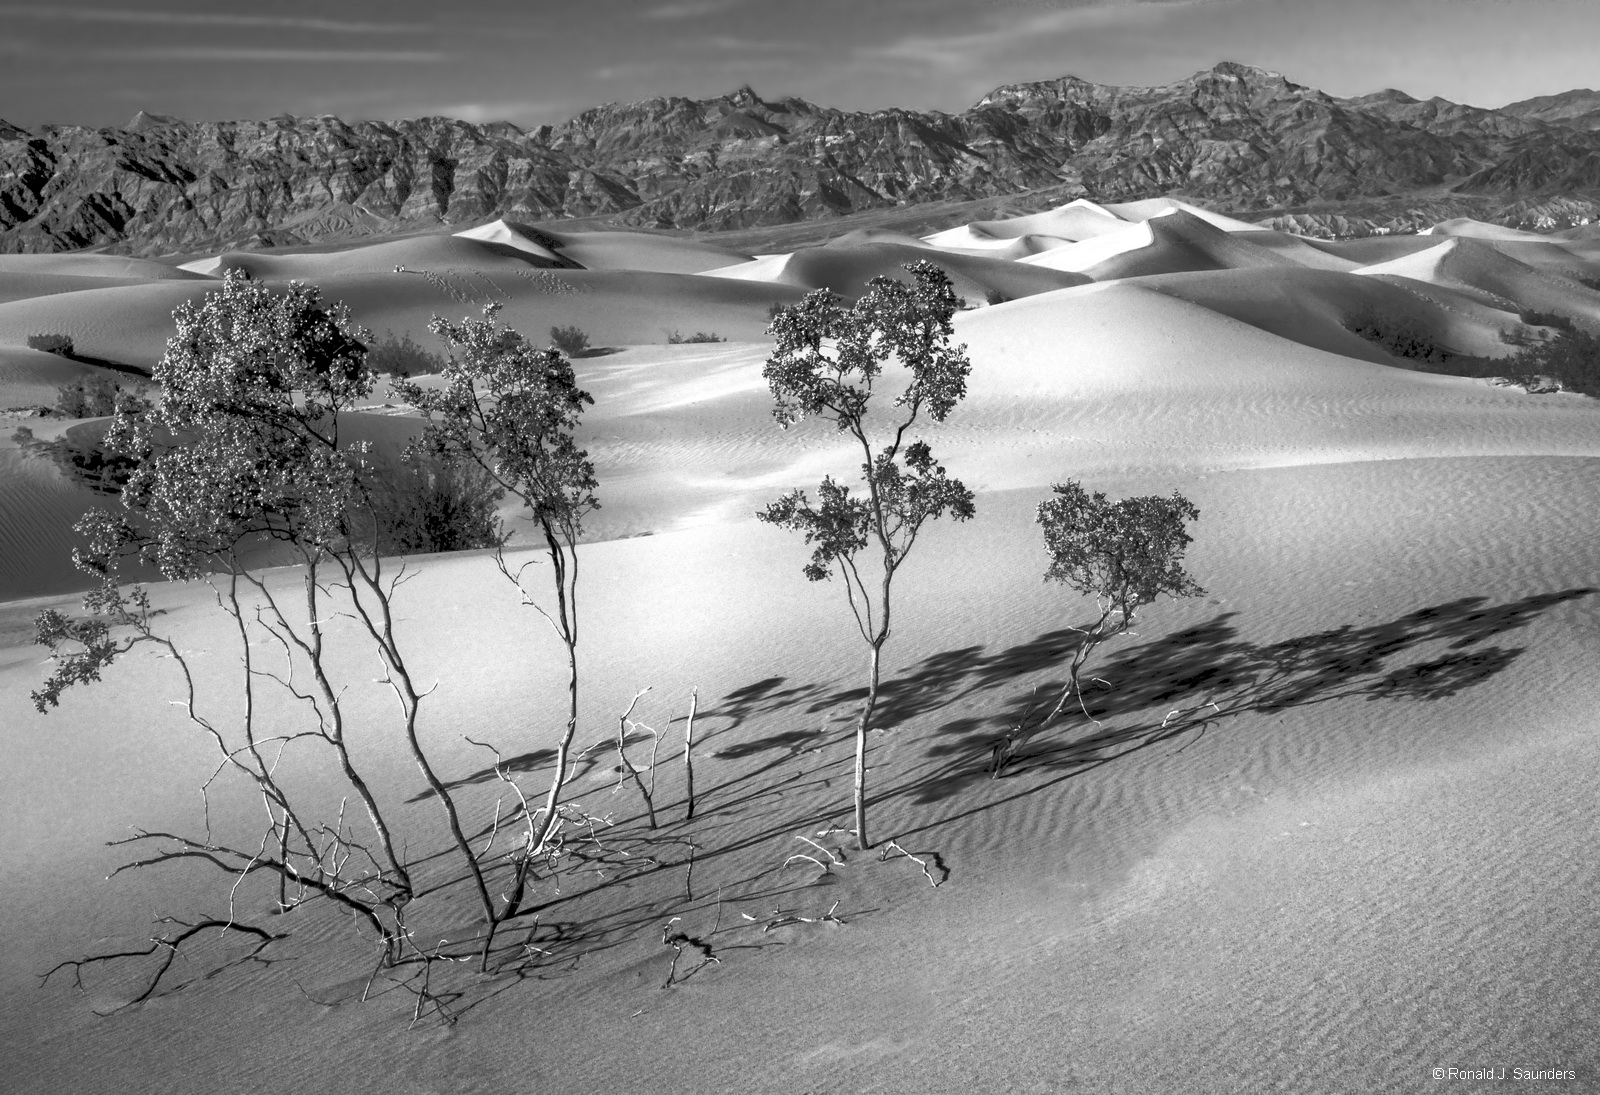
(520, 111)
(732, 43)
(1007, 33)
(62, 13)
(690, 9)
(269, 56)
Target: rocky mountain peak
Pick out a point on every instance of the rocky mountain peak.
(1235, 135)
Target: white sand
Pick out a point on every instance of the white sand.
(1375, 859)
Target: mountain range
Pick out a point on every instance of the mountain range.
(1232, 137)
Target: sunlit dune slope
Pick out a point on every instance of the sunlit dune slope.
(90, 265)
(1370, 250)
(847, 268)
(1182, 241)
(15, 286)
(1151, 208)
(453, 254)
(131, 324)
(608, 250)
(1321, 308)
(127, 324)
(1468, 228)
(1472, 265)
(1078, 220)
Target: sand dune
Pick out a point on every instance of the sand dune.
(131, 324)
(1361, 854)
(1472, 266)
(432, 253)
(1089, 253)
(1297, 249)
(1158, 207)
(15, 286)
(503, 232)
(30, 378)
(1468, 228)
(614, 307)
(93, 266)
(847, 269)
(1370, 250)
(1180, 241)
(128, 324)
(1319, 308)
(608, 250)
(1075, 221)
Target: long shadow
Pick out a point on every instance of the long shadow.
(1184, 683)
(1192, 679)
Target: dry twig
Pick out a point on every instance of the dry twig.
(923, 863)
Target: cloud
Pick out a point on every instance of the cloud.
(520, 111)
(202, 19)
(690, 9)
(269, 56)
(1006, 34)
(735, 44)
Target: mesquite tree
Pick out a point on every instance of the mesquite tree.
(244, 450)
(1124, 554)
(829, 356)
(512, 410)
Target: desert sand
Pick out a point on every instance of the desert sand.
(1372, 857)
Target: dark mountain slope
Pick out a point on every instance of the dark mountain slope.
(1234, 136)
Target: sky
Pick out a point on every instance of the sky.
(98, 62)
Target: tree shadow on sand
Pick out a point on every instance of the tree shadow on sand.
(1193, 679)
(624, 880)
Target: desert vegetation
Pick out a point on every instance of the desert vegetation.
(51, 343)
(569, 340)
(828, 358)
(1124, 554)
(99, 396)
(510, 411)
(1568, 362)
(255, 383)
(401, 357)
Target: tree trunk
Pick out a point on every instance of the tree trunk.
(861, 748)
(559, 779)
(688, 754)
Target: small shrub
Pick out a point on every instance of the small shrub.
(99, 396)
(402, 357)
(569, 340)
(1546, 319)
(430, 502)
(1125, 554)
(52, 344)
(995, 296)
(1572, 359)
(1399, 336)
(675, 339)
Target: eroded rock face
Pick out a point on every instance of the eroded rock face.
(1233, 136)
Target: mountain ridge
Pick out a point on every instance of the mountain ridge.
(1234, 136)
